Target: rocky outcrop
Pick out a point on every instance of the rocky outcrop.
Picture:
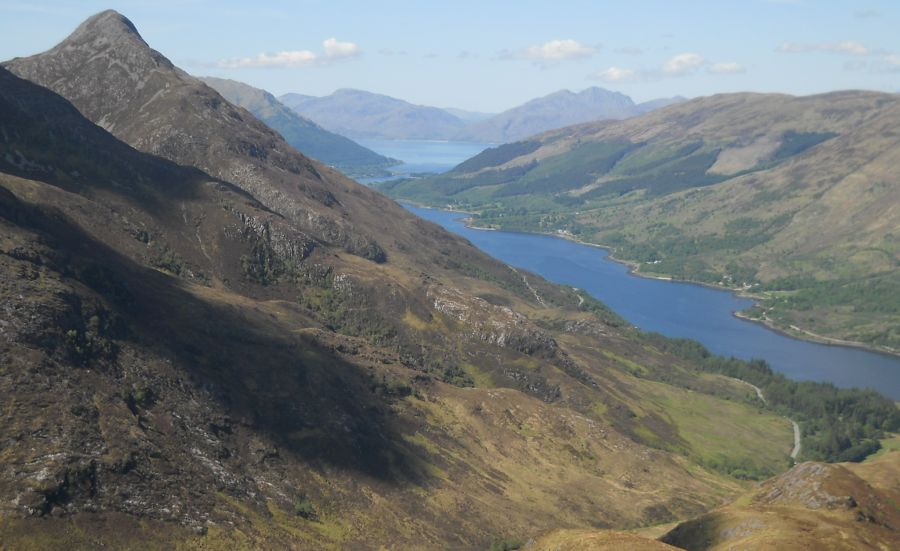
(497, 325)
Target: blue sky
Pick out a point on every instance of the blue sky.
(489, 56)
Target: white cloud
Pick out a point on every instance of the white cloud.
(333, 51)
(340, 50)
(847, 47)
(683, 64)
(299, 58)
(893, 59)
(616, 74)
(557, 50)
(728, 68)
(678, 66)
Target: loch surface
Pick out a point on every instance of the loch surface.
(679, 309)
(422, 156)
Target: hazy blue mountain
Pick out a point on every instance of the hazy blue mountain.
(556, 110)
(361, 114)
(302, 133)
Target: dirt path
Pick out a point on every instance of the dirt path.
(578, 294)
(796, 451)
(530, 288)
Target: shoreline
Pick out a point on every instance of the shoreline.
(633, 269)
(799, 333)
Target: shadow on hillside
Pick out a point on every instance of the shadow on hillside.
(45, 137)
(314, 405)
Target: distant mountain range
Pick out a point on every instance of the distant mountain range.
(302, 133)
(563, 108)
(361, 114)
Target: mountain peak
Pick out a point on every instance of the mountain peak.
(109, 26)
(598, 92)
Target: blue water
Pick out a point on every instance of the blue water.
(421, 156)
(679, 309)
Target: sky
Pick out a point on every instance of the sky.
(492, 55)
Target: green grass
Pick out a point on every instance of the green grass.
(719, 435)
(889, 444)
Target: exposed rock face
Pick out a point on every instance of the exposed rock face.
(497, 325)
(821, 486)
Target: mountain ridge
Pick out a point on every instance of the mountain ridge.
(305, 135)
(362, 114)
(559, 109)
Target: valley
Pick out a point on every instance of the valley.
(758, 207)
(212, 338)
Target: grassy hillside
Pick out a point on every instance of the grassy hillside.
(791, 199)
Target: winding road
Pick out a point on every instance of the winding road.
(794, 452)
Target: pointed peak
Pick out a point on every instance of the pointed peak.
(109, 25)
